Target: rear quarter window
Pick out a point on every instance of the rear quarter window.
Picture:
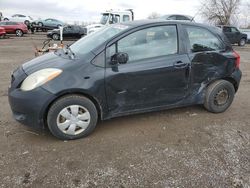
(201, 39)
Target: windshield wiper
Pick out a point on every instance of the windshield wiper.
(71, 52)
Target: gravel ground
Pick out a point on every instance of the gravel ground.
(185, 147)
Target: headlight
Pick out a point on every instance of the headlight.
(39, 78)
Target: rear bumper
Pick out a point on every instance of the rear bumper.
(237, 74)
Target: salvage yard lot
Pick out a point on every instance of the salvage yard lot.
(185, 147)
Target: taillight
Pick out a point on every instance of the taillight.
(237, 62)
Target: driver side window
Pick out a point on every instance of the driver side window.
(149, 43)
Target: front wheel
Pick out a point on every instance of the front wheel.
(19, 33)
(219, 96)
(72, 117)
(242, 42)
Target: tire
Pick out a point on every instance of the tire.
(5, 19)
(219, 96)
(40, 24)
(27, 22)
(242, 42)
(19, 33)
(55, 36)
(65, 124)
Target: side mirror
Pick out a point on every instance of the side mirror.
(119, 58)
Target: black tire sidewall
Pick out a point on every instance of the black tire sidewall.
(67, 101)
(27, 22)
(211, 106)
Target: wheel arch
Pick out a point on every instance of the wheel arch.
(229, 79)
(232, 81)
(73, 92)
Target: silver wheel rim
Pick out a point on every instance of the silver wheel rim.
(221, 98)
(73, 119)
(242, 42)
(55, 37)
(19, 33)
(40, 24)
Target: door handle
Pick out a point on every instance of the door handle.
(180, 64)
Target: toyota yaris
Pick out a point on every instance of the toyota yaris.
(124, 69)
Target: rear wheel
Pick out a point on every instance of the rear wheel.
(72, 117)
(27, 22)
(5, 19)
(55, 36)
(242, 42)
(219, 96)
(19, 33)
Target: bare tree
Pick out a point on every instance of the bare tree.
(154, 15)
(220, 12)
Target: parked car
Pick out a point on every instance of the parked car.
(178, 17)
(2, 32)
(124, 69)
(234, 35)
(70, 31)
(19, 18)
(50, 23)
(14, 28)
(1, 16)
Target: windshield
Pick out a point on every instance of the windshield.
(92, 41)
(104, 19)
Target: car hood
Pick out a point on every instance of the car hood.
(49, 60)
(56, 60)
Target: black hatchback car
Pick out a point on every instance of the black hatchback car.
(124, 69)
(69, 31)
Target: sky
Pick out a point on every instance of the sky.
(90, 10)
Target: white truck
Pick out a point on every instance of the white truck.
(111, 17)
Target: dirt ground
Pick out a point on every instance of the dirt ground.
(185, 147)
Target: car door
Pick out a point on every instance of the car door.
(156, 74)
(10, 27)
(54, 23)
(208, 55)
(228, 32)
(236, 34)
(14, 18)
(74, 31)
(67, 31)
(48, 23)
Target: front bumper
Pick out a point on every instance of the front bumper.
(29, 107)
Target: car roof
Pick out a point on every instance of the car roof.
(9, 22)
(138, 23)
(169, 15)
